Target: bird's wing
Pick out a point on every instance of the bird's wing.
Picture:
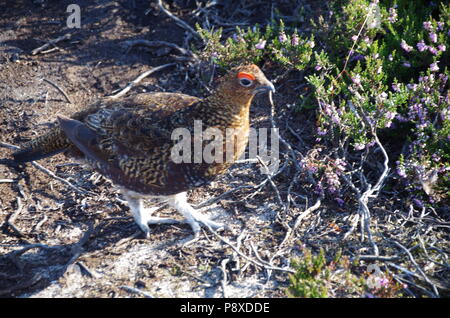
(55, 140)
(130, 145)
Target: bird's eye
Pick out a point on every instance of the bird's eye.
(245, 82)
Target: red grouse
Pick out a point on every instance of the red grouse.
(131, 142)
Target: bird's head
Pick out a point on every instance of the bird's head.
(242, 83)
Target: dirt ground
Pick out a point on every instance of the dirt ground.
(89, 245)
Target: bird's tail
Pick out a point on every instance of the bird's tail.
(44, 146)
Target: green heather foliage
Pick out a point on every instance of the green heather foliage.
(380, 65)
(373, 67)
(317, 277)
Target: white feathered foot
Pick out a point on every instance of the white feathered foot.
(143, 216)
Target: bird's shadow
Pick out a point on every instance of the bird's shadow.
(32, 268)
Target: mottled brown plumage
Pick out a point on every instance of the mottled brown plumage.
(130, 141)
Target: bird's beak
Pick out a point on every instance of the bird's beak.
(266, 88)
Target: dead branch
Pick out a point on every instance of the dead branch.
(14, 216)
(136, 291)
(48, 172)
(153, 44)
(264, 265)
(177, 20)
(220, 197)
(138, 79)
(59, 89)
(51, 42)
(223, 282)
(419, 269)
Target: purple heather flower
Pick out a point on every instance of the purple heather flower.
(418, 203)
(405, 46)
(340, 164)
(339, 201)
(427, 25)
(384, 282)
(435, 157)
(440, 25)
(442, 47)
(321, 132)
(400, 118)
(412, 87)
(318, 189)
(357, 57)
(332, 180)
(311, 168)
(282, 37)
(295, 39)
(433, 37)
(395, 87)
(356, 79)
(392, 15)
(434, 67)
(318, 67)
(371, 144)
(354, 38)
(390, 115)
(359, 146)
(432, 50)
(261, 44)
(401, 172)
(406, 64)
(421, 46)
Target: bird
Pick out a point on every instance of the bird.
(131, 142)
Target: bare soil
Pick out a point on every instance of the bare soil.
(90, 65)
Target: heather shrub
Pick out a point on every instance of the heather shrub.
(373, 68)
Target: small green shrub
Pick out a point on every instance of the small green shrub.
(373, 66)
(315, 277)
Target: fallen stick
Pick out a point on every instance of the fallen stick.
(48, 172)
(138, 79)
(177, 20)
(59, 89)
(14, 216)
(153, 44)
(51, 42)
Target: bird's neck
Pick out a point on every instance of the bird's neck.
(219, 110)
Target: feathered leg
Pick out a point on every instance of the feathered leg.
(143, 216)
(192, 216)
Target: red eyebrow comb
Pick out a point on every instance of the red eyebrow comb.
(246, 75)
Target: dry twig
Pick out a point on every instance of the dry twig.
(51, 42)
(136, 291)
(178, 21)
(223, 282)
(48, 172)
(264, 265)
(14, 216)
(152, 44)
(138, 79)
(59, 89)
